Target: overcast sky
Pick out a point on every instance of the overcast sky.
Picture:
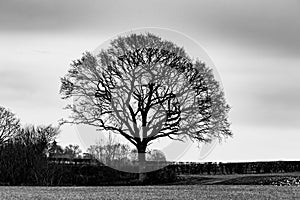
(254, 45)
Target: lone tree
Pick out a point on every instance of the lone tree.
(9, 125)
(72, 151)
(144, 88)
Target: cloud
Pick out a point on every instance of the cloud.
(278, 107)
(271, 25)
(264, 93)
(42, 15)
(15, 85)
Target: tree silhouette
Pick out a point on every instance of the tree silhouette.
(144, 88)
(55, 149)
(23, 157)
(112, 154)
(72, 151)
(9, 125)
(157, 155)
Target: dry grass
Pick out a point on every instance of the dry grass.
(235, 179)
(188, 192)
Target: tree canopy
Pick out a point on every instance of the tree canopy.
(144, 88)
(9, 125)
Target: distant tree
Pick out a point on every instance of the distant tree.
(36, 141)
(9, 125)
(35, 134)
(110, 152)
(156, 155)
(97, 151)
(23, 158)
(73, 151)
(151, 155)
(55, 149)
(144, 88)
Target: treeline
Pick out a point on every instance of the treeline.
(109, 152)
(236, 168)
(30, 156)
(23, 158)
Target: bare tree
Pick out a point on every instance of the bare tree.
(23, 158)
(156, 155)
(144, 88)
(9, 125)
(31, 134)
(151, 155)
(110, 152)
(72, 151)
(55, 149)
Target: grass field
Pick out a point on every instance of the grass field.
(235, 179)
(187, 192)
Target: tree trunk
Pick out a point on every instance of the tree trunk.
(142, 161)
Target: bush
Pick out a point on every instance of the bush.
(165, 175)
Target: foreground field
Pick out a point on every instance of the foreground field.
(189, 192)
(241, 179)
